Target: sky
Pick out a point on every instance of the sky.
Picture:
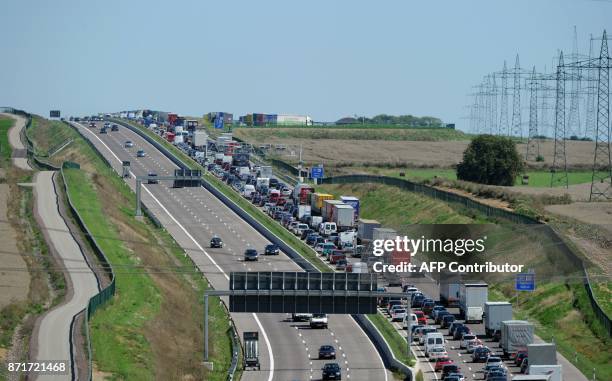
(326, 59)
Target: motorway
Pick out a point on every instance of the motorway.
(53, 331)
(193, 215)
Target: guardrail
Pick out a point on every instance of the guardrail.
(378, 341)
(489, 211)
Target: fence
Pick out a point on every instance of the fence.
(490, 212)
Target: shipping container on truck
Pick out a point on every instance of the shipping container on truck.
(259, 119)
(328, 208)
(172, 118)
(449, 293)
(472, 298)
(317, 200)
(494, 314)
(365, 229)
(515, 336)
(352, 201)
(393, 279)
(200, 138)
(303, 210)
(302, 192)
(344, 216)
(293, 119)
(270, 119)
(542, 354)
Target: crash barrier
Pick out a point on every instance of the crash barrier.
(287, 167)
(105, 294)
(370, 330)
(489, 211)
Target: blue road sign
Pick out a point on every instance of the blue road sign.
(525, 282)
(316, 172)
(219, 122)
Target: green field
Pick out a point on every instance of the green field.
(540, 179)
(396, 341)
(263, 135)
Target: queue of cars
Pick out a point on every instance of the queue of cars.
(433, 337)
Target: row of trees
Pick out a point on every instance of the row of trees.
(408, 120)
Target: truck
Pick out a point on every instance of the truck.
(302, 210)
(365, 229)
(251, 350)
(301, 193)
(344, 216)
(352, 201)
(542, 354)
(494, 314)
(262, 182)
(515, 336)
(449, 293)
(241, 159)
(554, 371)
(315, 221)
(328, 208)
(265, 171)
(316, 201)
(472, 298)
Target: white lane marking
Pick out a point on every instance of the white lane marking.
(263, 331)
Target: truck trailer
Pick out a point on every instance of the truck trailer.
(316, 201)
(494, 314)
(449, 293)
(344, 216)
(365, 229)
(515, 336)
(472, 298)
(542, 354)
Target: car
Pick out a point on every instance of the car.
(398, 314)
(480, 354)
(449, 368)
(331, 371)
(423, 333)
(140, 153)
(436, 353)
(454, 377)
(311, 239)
(251, 255)
(216, 243)
(410, 321)
(92, 125)
(460, 331)
(447, 320)
(150, 180)
(428, 305)
(473, 344)
(271, 249)
(301, 317)
(440, 315)
(525, 365)
(518, 358)
(464, 340)
(341, 264)
(420, 317)
(441, 362)
(318, 321)
(435, 310)
(454, 325)
(114, 127)
(496, 373)
(103, 130)
(494, 360)
(417, 300)
(128, 144)
(306, 233)
(327, 352)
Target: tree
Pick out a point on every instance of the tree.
(491, 160)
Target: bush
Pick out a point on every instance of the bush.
(540, 158)
(491, 160)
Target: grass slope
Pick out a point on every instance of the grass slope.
(5, 147)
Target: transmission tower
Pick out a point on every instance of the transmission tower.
(573, 122)
(517, 129)
(488, 113)
(494, 128)
(589, 125)
(533, 144)
(601, 185)
(504, 127)
(559, 167)
(481, 110)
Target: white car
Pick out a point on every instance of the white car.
(300, 229)
(292, 225)
(436, 353)
(473, 344)
(410, 321)
(465, 339)
(398, 314)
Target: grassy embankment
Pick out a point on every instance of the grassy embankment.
(559, 309)
(392, 336)
(5, 147)
(152, 328)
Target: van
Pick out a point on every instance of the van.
(433, 340)
(410, 321)
(327, 228)
(248, 191)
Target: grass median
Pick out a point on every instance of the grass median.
(394, 339)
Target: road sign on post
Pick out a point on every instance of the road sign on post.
(525, 282)
(219, 122)
(316, 172)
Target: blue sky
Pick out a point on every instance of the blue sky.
(327, 59)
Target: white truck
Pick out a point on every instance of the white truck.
(343, 216)
(315, 222)
(515, 336)
(472, 298)
(200, 138)
(303, 210)
(494, 314)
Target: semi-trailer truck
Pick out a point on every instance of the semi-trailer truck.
(515, 336)
(494, 314)
(472, 298)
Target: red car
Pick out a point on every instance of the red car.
(421, 319)
(441, 362)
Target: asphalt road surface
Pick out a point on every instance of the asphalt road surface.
(20, 159)
(288, 350)
(53, 333)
